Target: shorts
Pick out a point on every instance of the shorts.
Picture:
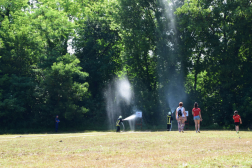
(180, 118)
(237, 123)
(196, 117)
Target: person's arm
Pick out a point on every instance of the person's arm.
(192, 113)
(176, 114)
(184, 111)
(184, 114)
(240, 121)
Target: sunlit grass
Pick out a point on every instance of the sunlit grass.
(139, 149)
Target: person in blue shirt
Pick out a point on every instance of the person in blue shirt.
(118, 122)
(57, 123)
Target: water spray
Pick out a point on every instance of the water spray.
(132, 120)
(132, 117)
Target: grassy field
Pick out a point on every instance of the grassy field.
(128, 149)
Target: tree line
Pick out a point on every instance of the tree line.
(58, 56)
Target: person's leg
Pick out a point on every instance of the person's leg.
(168, 127)
(179, 124)
(198, 125)
(56, 127)
(117, 128)
(237, 127)
(182, 124)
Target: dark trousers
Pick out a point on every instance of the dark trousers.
(117, 128)
(168, 127)
(56, 127)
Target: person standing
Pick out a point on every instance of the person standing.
(57, 123)
(181, 117)
(237, 121)
(118, 122)
(169, 121)
(196, 112)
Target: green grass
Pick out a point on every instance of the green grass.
(138, 149)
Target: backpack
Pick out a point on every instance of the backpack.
(180, 112)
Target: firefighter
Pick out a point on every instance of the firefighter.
(169, 121)
(118, 122)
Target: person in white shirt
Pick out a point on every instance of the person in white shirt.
(181, 117)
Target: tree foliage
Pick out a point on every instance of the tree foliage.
(219, 32)
(58, 57)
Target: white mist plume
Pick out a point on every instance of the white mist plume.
(116, 93)
(124, 90)
(112, 108)
(176, 94)
(171, 78)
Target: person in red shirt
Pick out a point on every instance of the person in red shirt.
(237, 121)
(196, 112)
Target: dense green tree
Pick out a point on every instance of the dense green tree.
(58, 58)
(17, 59)
(38, 77)
(137, 20)
(155, 64)
(219, 30)
(98, 47)
(62, 84)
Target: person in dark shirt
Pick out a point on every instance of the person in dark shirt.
(118, 122)
(57, 123)
(169, 121)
